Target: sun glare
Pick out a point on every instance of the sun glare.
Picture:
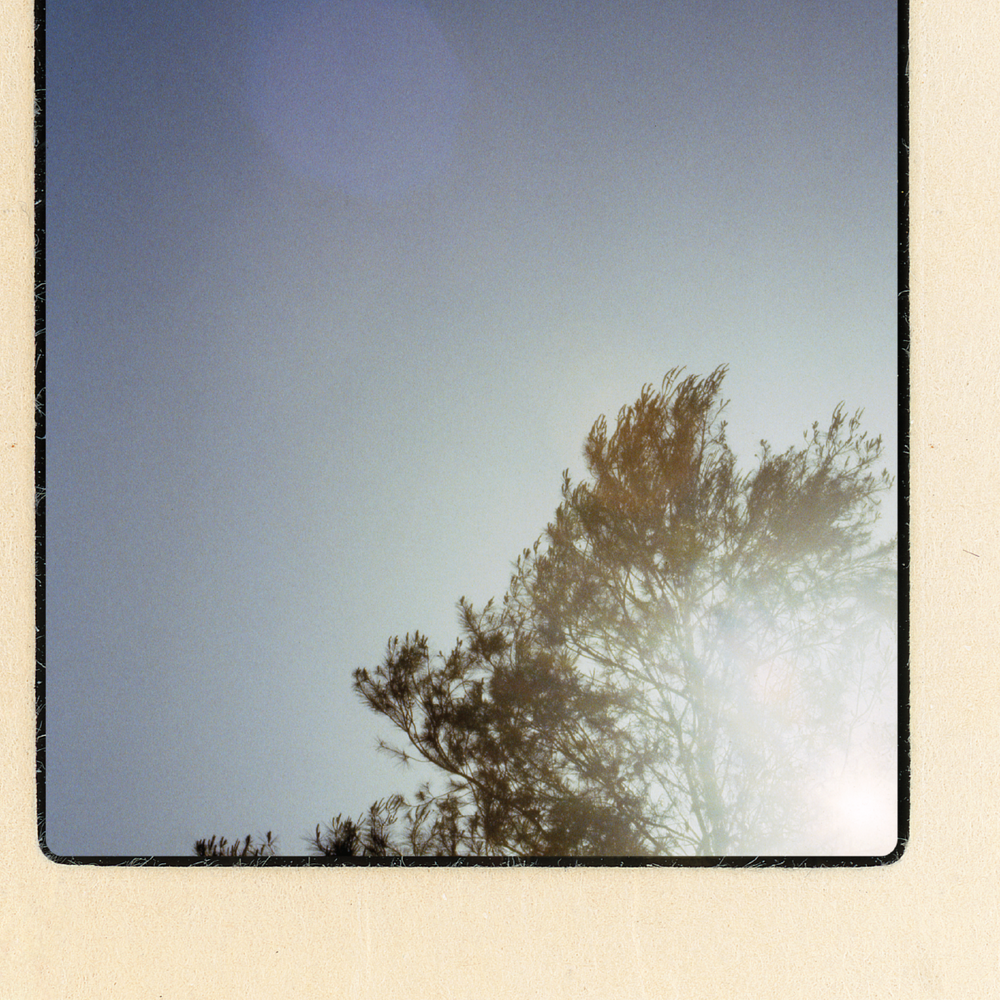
(862, 814)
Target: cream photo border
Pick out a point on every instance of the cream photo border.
(925, 927)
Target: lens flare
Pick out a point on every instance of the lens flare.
(861, 812)
(363, 95)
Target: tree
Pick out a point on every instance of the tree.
(680, 661)
(342, 837)
(369, 838)
(745, 617)
(248, 847)
(525, 739)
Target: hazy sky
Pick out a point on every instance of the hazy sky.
(335, 291)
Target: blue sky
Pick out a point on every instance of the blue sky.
(335, 291)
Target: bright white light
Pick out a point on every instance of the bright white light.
(861, 814)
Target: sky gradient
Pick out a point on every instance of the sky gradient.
(335, 292)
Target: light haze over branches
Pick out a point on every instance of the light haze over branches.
(692, 660)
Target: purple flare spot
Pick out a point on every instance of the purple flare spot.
(364, 95)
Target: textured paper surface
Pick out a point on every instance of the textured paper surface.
(926, 927)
